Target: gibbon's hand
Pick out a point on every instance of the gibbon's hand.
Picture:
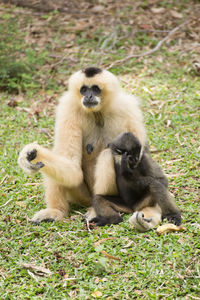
(26, 158)
(125, 165)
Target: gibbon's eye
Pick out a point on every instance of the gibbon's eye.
(83, 89)
(96, 89)
(118, 151)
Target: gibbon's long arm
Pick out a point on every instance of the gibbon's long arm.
(63, 164)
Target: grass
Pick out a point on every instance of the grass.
(149, 266)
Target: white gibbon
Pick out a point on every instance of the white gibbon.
(89, 116)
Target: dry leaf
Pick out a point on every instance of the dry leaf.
(169, 228)
(175, 14)
(158, 10)
(37, 268)
(128, 245)
(20, 203)
(98, 8)
(168, 123)
(96, 294)
(12, 103)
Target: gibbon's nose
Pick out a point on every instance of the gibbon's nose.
(89, 97)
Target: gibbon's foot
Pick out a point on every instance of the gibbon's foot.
(140, 222)
(48, 214)
(26, 156)
(90, 214)
(102, 221)
(174, 218)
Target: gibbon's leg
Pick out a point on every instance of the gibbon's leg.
(57, 199)
(106, 212)
(104, 180)
(165, 200)
(67, 172)
(57, 204)
(147, 218)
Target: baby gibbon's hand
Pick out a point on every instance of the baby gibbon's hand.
(28, 159)
(125, 165)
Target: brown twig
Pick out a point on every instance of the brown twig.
(104, 252)
(160, 43)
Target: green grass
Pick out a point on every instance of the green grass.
(152, 266)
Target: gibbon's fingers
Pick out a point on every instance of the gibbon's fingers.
(146, 219)
(48, 214)
(26, 156)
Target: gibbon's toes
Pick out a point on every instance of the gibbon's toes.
(48, 215)
(139, 222)
(90, 214)
(26, 156)
(174, 218)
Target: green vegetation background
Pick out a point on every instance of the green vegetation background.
(38, 52)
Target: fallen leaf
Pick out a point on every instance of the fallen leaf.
(37, 268)
(98, 8)
(96, 294)
(176, 14)
(158, 10)
(128, 245)
(20, 203)
(169, 228)
(12, 103)
(146, 26)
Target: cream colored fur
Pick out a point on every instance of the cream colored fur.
(70, 173)
(146, 219)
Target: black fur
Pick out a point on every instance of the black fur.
(31, 155)
(137, 176)
(92, 71)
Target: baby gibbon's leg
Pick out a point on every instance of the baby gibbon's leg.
(106, 212)
(147, 218)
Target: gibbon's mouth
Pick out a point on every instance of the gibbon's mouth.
(90, 104)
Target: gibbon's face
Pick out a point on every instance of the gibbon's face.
(91, 96)
(128, 146)
(95, 88)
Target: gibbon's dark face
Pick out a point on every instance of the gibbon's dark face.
(90, 95)
(127, 145)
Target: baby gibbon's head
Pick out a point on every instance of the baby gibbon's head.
(94, 88)
(126, 144)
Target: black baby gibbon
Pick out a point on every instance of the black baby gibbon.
(140, 182)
